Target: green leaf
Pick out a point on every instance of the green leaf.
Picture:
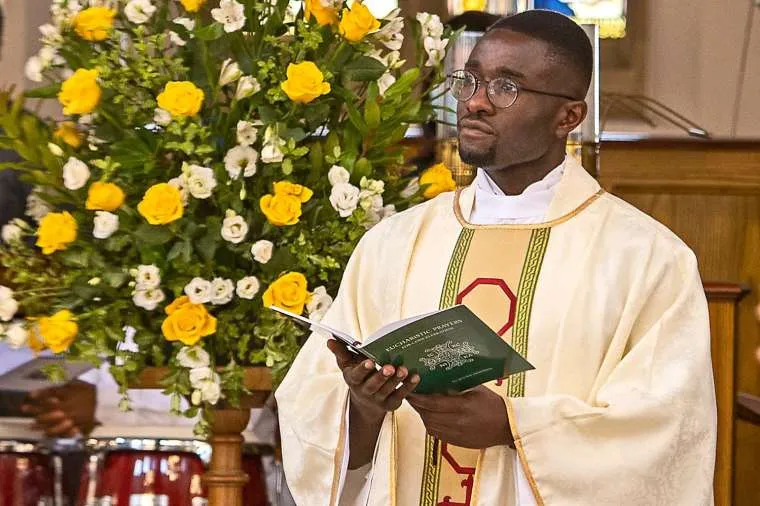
(210, 32)
(297, 134)
(364, 68)
(49, 91)
(403, 84)
(183, 249)
(372, 113)
(209, 243)
(153, 234)
(356, 118)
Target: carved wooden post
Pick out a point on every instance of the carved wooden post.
(225, 478)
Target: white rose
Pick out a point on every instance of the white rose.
(231, 14)
(105, 224)
(33, 69)
(148, 298)
(200, 374)
(436, 50)
(234, 227)
(198, 291)
(337, 175)
(221, 291)
(51, 35)
(241, 158)
(246, 133)
(8, 305)
(411, 189)
(319, 303)
(344, 198)
(246, 87)
(390, 35)
(193, 356)
(200, 181)
(11, 233)
(147, 277)
(139, 11)
(230, 72)
(248, 287)
(385, 82)
(179, 183)
(16, 336)
(262, 251)
(162, 117)
(75, 174)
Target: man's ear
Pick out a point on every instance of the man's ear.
(571, 115)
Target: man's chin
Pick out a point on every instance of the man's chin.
(475, 157)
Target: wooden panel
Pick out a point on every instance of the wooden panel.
(722, 329)
(708, 194)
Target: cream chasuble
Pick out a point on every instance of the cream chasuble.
(605, 302)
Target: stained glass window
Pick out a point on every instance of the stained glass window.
(608, 14)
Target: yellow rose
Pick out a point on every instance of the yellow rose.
(357, 22)
(287, 188)
(440, 180)
(181, 98)
(57, 332)
(305, 82)
(324, 15)
(56, 232)
(68, 133)
(161, 204)
(104, 197)
(187, 322)
(94, 24)
(80, 93)
(192, 5)
(289, 292)
(281, 210)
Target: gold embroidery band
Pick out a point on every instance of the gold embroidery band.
(539, 241)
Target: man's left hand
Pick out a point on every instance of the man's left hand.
(476, 418)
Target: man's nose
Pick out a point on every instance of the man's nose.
(479, 102)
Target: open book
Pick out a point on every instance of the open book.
(451, 349)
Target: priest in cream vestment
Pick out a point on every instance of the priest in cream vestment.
(606, 303)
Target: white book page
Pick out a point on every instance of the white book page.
(394, 326)
(319, 327)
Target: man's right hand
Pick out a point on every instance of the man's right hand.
(373, 393)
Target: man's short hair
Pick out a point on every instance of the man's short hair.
(566, 39)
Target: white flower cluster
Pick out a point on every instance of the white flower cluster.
(62, 11)
(189, 25)
(205, 382)
(139, 11)
(16, 335)
(234, 227)
(14, 230)
(197, 180)
(346, 198)
(391, 37)
(231, 14)
(8, 304)
(271, 149)
(147, 293)
(432, 31)
(218, 291)
(36, 207)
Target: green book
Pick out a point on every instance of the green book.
(451, 349)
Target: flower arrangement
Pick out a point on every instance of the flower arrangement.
(217, 157)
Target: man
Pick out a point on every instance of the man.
(606, 303)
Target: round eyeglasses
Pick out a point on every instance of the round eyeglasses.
(502, 91)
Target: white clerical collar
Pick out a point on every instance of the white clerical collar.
(492, 206)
